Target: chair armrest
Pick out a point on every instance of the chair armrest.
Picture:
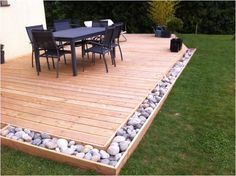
(95, 43)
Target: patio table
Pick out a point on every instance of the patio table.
(72, 35)
(75, 34)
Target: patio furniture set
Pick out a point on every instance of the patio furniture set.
(101, 38)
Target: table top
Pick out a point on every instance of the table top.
(78, 33)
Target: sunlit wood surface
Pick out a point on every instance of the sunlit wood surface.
(90, 107)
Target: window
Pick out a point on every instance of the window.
(4, 3)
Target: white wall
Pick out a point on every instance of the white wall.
(13, 20)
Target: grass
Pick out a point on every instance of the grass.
(194, 133)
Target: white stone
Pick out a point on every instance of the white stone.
(113, 150)
(134, 121)
(89, 146)
(79, 147)
(74, 147)
(51, 144)
(132, 134)
(18, 129)
(149, 110)
(105, 161)
(94, 151)
(142, 118)
(26, 137)
(162, 91)
(88, 156)
(86, 150)
(96, 157)
(118, 156)
(118, 139)
(62, 143)
(120, 132)
(71, 143)
(68, 151)
(80, 155)
(124, 145)
(27, 131)
(5, 132)
(114, 144)
(104, 154)
(45, 141)
(57, 149)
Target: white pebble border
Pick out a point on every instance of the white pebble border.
(124, 135)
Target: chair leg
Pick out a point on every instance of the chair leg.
(65, 58)
(58, 64)
(88, 55)
(32, 57)
(105, 62)
(53, 64)
(113, 61)
(48, 63)
(121, 55)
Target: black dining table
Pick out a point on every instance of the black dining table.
(73, 35)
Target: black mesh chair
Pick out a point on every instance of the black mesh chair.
(116, 38)
(99, 23)
(103, 47)
(66, 24)
(45, 41)
(62, 24)
(29, 32)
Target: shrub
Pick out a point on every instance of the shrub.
(161, 11)
(174, 24)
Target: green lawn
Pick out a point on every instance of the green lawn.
(194, 133)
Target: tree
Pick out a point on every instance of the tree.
(211, 17)
(161, 11)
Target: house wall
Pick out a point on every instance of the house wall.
(13, 20)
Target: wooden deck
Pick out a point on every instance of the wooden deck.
(90, 107)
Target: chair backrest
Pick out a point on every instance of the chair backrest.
(75, 23)
(108, 36)
(103, 23)
(99, 23)
(117, 31)
(44, 39)
(29, 31)
(96, 24)
(62, 24)
(109, 21)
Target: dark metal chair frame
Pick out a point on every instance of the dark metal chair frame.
(29, 32)
(103, 47)
(44, 40)
(116, 39)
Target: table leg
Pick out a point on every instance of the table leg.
(73, 58)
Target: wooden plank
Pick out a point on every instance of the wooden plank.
(79, 137)
(63, 108)
(97, 131)
(54, 115)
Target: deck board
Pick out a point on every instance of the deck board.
(90, 107)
